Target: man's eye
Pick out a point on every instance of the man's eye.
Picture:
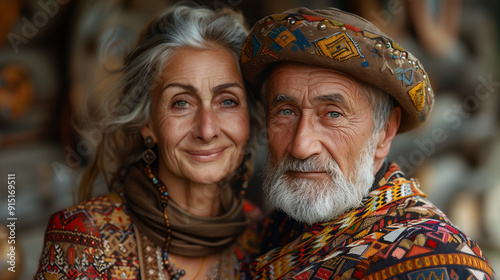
(334, 114)
(180, 103)
(286, 112)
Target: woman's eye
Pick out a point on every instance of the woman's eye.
(228, 103)
(286, 112)
(334, 114)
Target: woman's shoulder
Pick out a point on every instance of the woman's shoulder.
(88, 218)
(90, 240)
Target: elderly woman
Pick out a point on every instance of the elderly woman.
(175, 157)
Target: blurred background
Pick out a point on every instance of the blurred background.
(52, 52)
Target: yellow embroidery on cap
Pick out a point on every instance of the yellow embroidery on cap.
(339, 47)
(417, 95)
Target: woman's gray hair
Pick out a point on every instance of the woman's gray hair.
(125, 109)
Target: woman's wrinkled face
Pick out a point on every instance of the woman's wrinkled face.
(199, 116)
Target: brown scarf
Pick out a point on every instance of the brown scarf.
(191, 236)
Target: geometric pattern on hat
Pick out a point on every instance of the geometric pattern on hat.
(339, 40)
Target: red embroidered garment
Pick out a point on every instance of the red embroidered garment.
(96, 240)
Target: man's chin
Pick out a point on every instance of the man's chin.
(311, 208)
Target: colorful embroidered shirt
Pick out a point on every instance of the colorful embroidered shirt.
(396, 234)
(97, 240)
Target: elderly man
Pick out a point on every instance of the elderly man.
(337, 90)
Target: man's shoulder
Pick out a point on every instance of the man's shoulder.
(423, 246)
(413, 238)
(410, 240)
(410, 209)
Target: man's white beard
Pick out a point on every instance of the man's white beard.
(312, 201)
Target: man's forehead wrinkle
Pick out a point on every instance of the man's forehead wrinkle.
(321, 73)
(336, 86)
(276, 84)
(330, 82)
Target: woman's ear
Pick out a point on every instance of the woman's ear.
(148, 131)
(388, 133)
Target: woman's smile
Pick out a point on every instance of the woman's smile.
(206, 155)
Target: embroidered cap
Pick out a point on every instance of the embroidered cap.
(345, 42)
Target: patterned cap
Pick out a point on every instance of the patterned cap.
(345, 42)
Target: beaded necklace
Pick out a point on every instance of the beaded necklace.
(178, 273)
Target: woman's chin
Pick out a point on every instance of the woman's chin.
(207, 178)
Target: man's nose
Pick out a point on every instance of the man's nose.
(306, 141)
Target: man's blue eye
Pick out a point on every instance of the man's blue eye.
(334, 114)
(287, 112)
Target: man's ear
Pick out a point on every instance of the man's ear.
(388, 133)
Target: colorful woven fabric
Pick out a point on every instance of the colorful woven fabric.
(96, 240)
(396, 234)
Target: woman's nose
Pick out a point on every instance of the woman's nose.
(208, 128)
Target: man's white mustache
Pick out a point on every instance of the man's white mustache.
(311, 164)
